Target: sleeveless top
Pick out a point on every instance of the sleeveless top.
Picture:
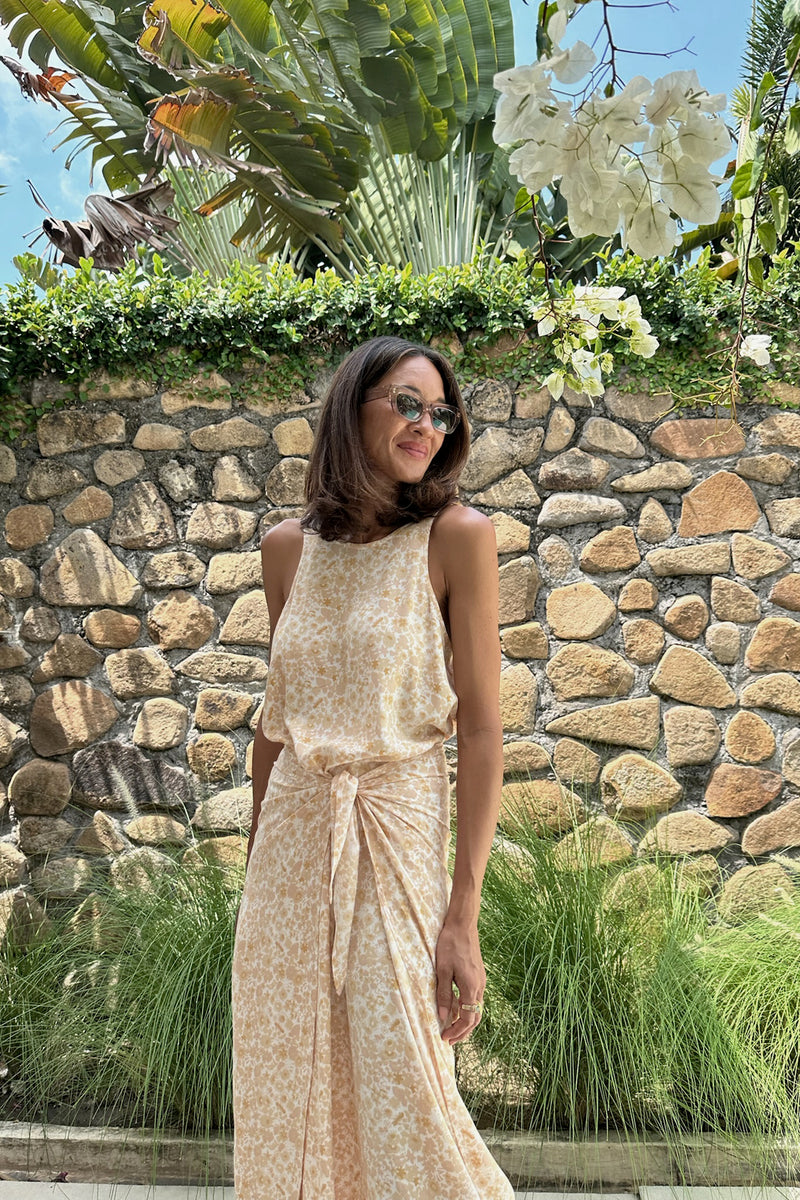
(360, 665)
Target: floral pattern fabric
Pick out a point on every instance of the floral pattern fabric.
(343, 1087)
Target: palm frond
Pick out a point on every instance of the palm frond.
(767, 42)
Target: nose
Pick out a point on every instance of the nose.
(425, 416)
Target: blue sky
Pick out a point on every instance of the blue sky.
(714, 29)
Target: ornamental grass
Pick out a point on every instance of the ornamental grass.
(121, 1014)
(618, 1002)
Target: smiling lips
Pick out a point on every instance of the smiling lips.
(411, 448)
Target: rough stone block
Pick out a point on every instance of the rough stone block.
(68, 716)
(634, 787)
(736, 791)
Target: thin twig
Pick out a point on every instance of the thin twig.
(612, 49)
(659, 53)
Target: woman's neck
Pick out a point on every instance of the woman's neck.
(372, 532)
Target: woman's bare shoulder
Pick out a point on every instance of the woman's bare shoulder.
(283, 537)
(463, 547)
(281, 548)
(459, 524)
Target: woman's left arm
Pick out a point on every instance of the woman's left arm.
(469, 559)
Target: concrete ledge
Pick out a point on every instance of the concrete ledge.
(621, 1162)
(615, 1163)
(114, 1155)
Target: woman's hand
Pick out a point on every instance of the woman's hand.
(459, 962)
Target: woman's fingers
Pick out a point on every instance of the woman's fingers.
(444, 993)
(466, 1020)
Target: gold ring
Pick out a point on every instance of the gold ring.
(476, 1008)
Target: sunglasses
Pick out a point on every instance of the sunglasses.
(443, 418)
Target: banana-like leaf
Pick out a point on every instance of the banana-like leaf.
(704, 235)
(269, 223)
(89, 124)
(492, 29)
(291, 134)
(229, 119)
(293, 167)
(120, 153)
(42, 87)
(419, 68)
(115, 227)
(198, 120)
(205, 242)
(178, 33)
(253, 22)
(75, 37)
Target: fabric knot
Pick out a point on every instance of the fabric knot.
(352, 799)
(344, 869)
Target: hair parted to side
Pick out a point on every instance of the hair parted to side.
(340, 484)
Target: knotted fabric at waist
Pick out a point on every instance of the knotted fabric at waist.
(354, 795)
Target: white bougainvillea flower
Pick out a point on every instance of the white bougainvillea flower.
(652, 232)
(622, 162)
(708, 103)
(756, 346)
(592, 301)
(591, 191)
(523, 81)
(580, 321)
(636, 187)
(555, 384)
(690, 191)
(703, 139)
(670, 95)
(587, 370)
(621, 115)
(571, 65)
(642, 341)
(533, 163)
(557, 25)
(514, 116)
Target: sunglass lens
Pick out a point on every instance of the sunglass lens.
(408, 407)
(444, 419)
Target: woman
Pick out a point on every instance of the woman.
(356, 968)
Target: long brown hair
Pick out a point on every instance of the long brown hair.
(340, 484)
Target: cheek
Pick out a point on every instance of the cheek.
(367, 432)
(438, 448)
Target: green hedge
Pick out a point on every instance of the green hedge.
(129, 322)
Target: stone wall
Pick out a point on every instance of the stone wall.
(651, 669)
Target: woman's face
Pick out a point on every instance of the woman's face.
(398, 450)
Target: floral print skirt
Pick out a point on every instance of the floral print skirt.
(343, 1087)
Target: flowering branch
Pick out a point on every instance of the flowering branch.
(631, 160)
(581, 320)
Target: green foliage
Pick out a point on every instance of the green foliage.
(764, 188)
(615, 1000)
(163, 328)
(292, 105)
(160, 326)
(123, 1012)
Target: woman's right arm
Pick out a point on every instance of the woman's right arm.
(280, 554)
